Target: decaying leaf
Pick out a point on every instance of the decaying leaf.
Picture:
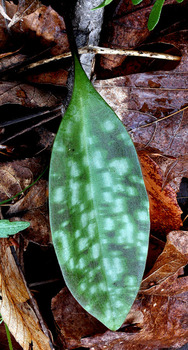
(157, 318)
(126, 32)
(49, 27)
(165, 212)
(35, 198)
(167, 266)
(148, 98)
(24, 8)
(39, 230)
(16, 307)
(55, 77)
(26, 95)
(16, 176)
(153, 107)
(173, 169)
(127, 29)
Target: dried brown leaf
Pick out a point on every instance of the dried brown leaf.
(163, 325)
(35, 198)
(26, 95)
(165, 213)
(136, 103)
(49, 27)
(39, 229)
(25, 7)
(16, 176)
(58, 77)
(168, 267)
(126, 32)
(173, 169)
(16, 307)
(73, 321)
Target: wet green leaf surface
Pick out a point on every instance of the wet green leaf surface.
(98, 206)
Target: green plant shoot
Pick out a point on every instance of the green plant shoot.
(99, 210)
(104, 3)
(9, 228)
(155, 14)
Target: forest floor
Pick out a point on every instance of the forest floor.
(150, 96)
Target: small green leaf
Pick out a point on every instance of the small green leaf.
(179, 1)
(104, 3)
(136, 2)
(99, 211)
(8, 228)
(155, 14)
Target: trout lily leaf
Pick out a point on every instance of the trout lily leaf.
(99, 211)
(9, 228)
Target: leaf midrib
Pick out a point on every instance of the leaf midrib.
(82, 107)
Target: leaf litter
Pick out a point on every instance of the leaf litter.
(157, 318)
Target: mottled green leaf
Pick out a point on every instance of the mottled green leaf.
(104, 3)
(98, 206)
(8, 228)
(155, 14)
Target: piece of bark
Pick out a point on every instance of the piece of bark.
(87, 25)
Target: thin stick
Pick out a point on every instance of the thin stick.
(105, 51)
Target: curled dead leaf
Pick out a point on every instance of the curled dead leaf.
(16, 306)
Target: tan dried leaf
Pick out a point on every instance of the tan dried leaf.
(16, 307)
(165, 212)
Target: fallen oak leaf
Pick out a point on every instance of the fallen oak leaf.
(16, 306)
